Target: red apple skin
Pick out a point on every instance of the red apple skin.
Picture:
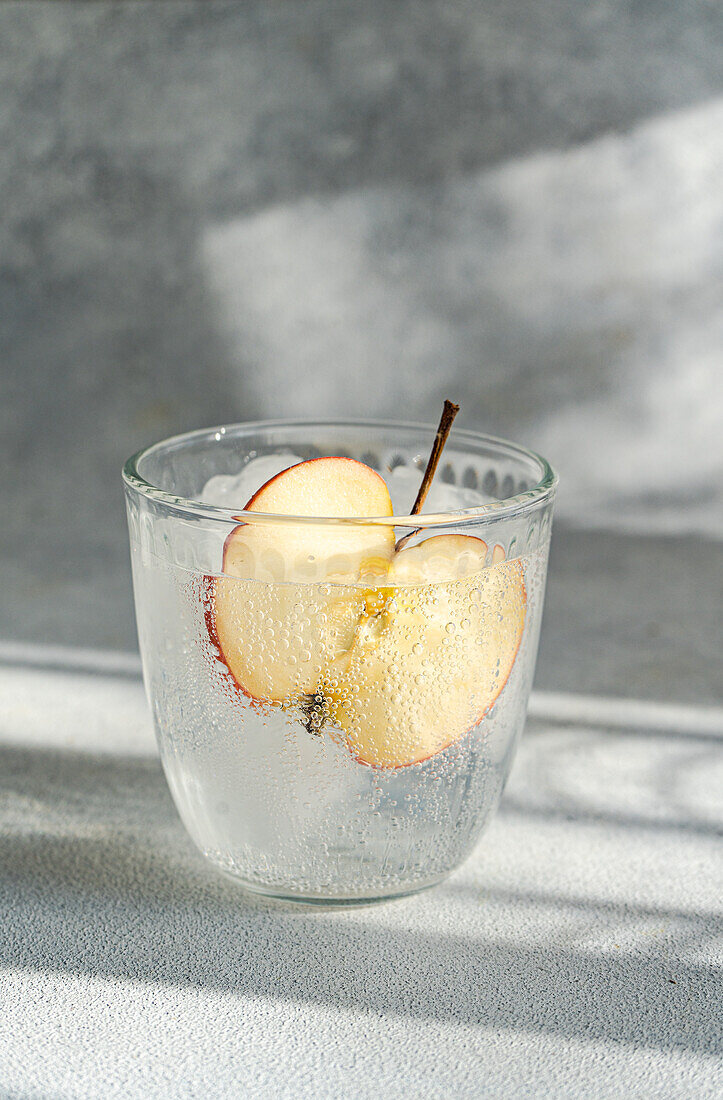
(208, 598)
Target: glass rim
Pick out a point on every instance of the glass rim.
(505, 508)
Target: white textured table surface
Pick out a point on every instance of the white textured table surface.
(578, 953)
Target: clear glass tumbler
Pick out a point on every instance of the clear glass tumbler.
(332, 732)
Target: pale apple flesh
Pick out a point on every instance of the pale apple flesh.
(427, 666)
(406, 651)
(273, 630)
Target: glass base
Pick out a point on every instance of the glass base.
(330, 901)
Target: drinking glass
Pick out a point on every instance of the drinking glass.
(331, 738)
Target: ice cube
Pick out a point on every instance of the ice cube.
(404, 482)
(236, 490)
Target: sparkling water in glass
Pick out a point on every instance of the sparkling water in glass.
(312, 796)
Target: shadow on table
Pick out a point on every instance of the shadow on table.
(593, 774)
(97, 877)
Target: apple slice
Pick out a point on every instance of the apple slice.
(432, 655)
(438, 559)
(275, 631)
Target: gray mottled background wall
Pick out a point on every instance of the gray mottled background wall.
(215, 211)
